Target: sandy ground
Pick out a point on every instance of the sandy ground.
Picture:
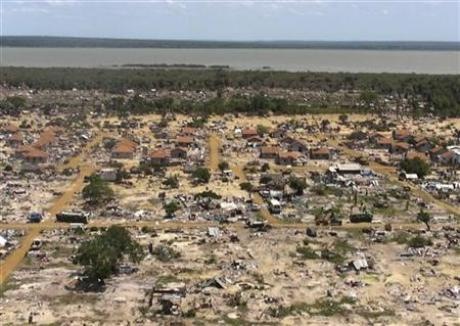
(396, 292)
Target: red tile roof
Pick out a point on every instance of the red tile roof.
(269, 150)
(10, 128)
(46, 137)
(290, 155)
(160, 153)
(124, 146)
(184, 140)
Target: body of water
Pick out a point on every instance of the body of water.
(430, 62)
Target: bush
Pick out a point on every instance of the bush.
(247, 186)
(297, 184)
(171, 207)
(306, 252)
(419, 242)
(207, 194)
(416, 165)
(97, 192)
(172, 181)
(262, 130)
(165, 253)
(201, 174)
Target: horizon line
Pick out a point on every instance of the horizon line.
(231, 40)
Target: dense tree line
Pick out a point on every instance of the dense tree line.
(255, 105)
(441, 91)
(73, 42)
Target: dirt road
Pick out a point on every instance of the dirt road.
(238, 171)
(8, 265)
(213, 144)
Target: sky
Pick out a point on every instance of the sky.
(337, 20)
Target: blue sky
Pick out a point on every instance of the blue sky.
(437, 20)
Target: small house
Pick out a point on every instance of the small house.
(400, 148)
(402, 135)
(288, 158)
(184, 141)
(249, 133)
(160, 156)
(124, 149)
(322, 153)
(269, 152)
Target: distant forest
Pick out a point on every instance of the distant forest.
(74, 42)
(440, 91)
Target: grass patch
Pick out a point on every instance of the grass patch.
(336, 253)
(400, 238)
(322, 190)
(321, 307)
(61, 264)
(165, 279)
(343, 246)
(211, 260)
(356, 234)
(8, 286)
(60, 251)
(165, 253)
(388, 212)
(375, 314)
(307, 252)
(235, 322)
(73, 298)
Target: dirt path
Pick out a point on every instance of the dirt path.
(238, 171)
(213, 143)
(10, 263)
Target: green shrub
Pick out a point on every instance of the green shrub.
(419, 242)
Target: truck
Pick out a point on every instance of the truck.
(72, 217)
(35, 217)
(364, 217)
(274, 206)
